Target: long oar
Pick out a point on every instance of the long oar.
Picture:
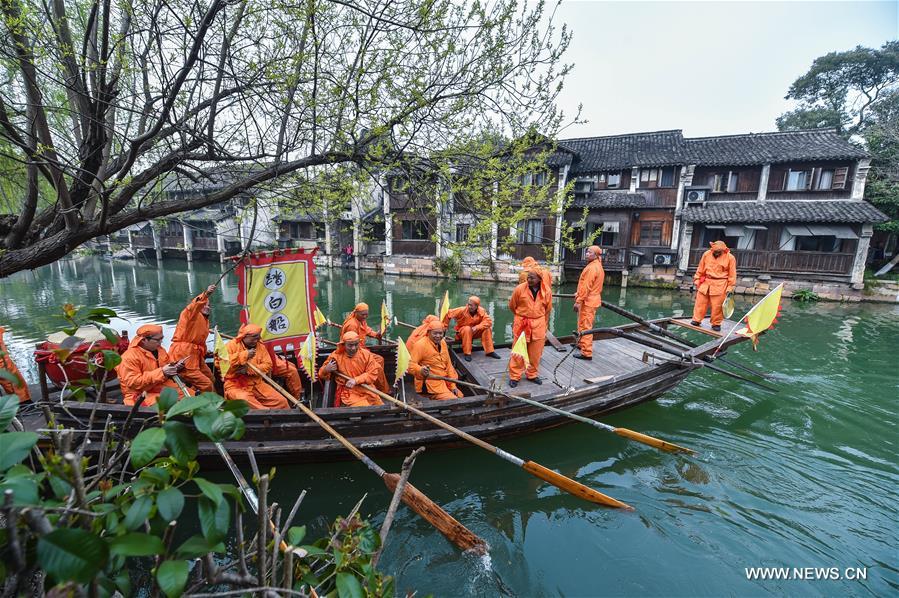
(556, 479)
(624, 432)
(427, 509)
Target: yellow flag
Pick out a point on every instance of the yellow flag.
(521, 348)
(385, 317)
(222, 360)
(762, 316)
(319, 317)
(402, 358)
(444, 307)
(308, 355)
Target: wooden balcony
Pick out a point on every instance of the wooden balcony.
(787, 262)
(205, 243)
(142, 241)
(614, 259)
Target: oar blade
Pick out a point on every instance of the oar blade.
(572, 487)
(431, 512)
(653, 442)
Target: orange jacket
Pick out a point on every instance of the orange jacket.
(358, 326)
(530, 313)
(424, 353)
(9, 365)
(479, 321)
(589, 285)
(240, 356)
(716, 274)
(141, 371)
(420, 332)
(363, 367)
(192, 330)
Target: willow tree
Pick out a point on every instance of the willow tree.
(103, 104)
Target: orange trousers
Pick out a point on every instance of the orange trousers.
(467, 334)
(257, 393)
(585, 319)
(701, 307)
(516, 363)
(195, 373)
(281, 368)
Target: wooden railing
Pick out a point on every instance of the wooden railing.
(142, 240)
(613, 258)
(206, 243)
(821, 262)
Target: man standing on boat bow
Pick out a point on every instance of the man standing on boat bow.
(146, 367)
(530, 304)
(472, 322)
(588, 298)
(430, 355)
(715, 277)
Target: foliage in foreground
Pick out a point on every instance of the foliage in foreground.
(806, 296)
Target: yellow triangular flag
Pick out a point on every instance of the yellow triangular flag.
(444, 307)
(319, 317)
(385, 317)
(308, 355)
(222, 359)
(402, 358)
(762, 316)
(520, 348)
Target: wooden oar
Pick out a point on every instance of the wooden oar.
(395, 321)
(624, 432)
(556, 479)
(427, 509)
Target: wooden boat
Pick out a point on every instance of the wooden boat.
(624, 373)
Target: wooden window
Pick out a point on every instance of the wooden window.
(798, 180)
(462, 231)
(530, 232)
(614, 180)
(416, 230)
(583, 186)
(723, 182)
(649, 177)
(204, 230)
(839, 178)
(667, 179)
(651, 232)
(732, 182)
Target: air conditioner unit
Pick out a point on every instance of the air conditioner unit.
(663, 259)
(696, 196)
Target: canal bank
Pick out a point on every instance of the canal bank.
(803, 478)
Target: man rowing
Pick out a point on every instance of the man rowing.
(588, 298)
(430, 355)
(357, 321)
(352, 359)
(146, 367)
(243, 382)
(715, 277)
(420, 331)
(472, 322)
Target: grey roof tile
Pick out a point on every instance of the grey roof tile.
(612, 199)
(761, 148)
(721, 212)
(596, 154)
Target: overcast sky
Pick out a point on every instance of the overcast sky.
(709, 68)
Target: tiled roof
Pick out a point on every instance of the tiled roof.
(721, 212)
(612, 199)
(761, 148)
(593, 154)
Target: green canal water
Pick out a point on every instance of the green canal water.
(804, 478)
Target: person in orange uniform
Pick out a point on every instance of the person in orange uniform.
(19, 389)
(189, 342)
(588, 298)
(546, 277)
(352, 359)
(430, 355)
(530, 303)
(472, 322)
(715, 277)
(357, 322)
(241, 381)
(147, 368)
(421, 331)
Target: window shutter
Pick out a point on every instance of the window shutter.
(816, 174)
(839, 178)
(808, 180)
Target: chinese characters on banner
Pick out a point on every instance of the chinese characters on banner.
(277, 289)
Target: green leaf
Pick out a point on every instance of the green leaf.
(100, 313)
(189, 404)
(197, 546)
(314, 550)
(14, 446)
(369, 540)
(158, 475)
(167, 398)
(138, 512)
(72, 554)
(169, 503)
(214, 519)
(239, 430)
(180, 441)
(171, 577)
(224, 426)
(209, 490)
(136, 544)
(146, 446)
(60, 487)
(348, 586)
(25, 490)
(295, 535)
(110, 360)
(123, 583)
(204, 418)
(9, 405)
(110, 335)
(236, 406)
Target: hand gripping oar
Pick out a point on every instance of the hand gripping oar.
(624, 432)
(427, 509)
(556, 479)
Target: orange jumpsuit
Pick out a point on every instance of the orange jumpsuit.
(361, 327)
(140, 371)
(546, 279)
(589, 296)
(281, 368)
(530, 317)
(470, 327)
(189, 341)
(425, 353)
(7, 364)
(249, 386)
(420, 332)
(713, 278)
(364, 367)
